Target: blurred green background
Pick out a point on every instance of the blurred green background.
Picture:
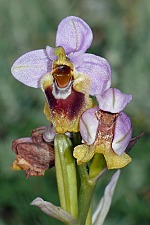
(122, 35)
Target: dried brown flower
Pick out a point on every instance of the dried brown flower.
(33, 154)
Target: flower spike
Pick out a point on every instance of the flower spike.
(88, 131)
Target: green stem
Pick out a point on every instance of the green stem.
(88, 182)
(66, 174)
(85, 196)
(89, 216)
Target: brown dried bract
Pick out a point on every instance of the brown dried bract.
(34, 155)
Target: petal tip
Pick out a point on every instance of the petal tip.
(77, 35)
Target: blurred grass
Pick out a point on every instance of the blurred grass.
(122, 35)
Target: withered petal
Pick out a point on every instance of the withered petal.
(34, 154)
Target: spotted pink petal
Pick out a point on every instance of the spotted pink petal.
(74, 35)
(98, 69)
(89, 125)
(122, 133)
(113, 100)
(30, 67)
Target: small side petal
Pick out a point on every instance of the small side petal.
(113, 100)
(30, 67)
(98, 69)
(50, 53)
(74, 35)
(122, 133)
(89, 125)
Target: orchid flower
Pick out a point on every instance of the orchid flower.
(66, 74)
(106, 130)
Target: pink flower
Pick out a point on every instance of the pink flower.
(66, 74)
(75, 36)
(106, 130)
